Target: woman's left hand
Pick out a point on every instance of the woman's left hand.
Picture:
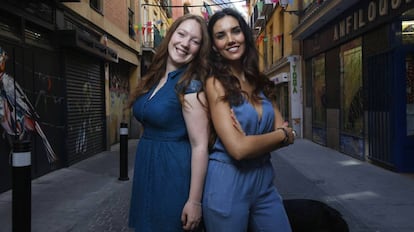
(236, 123)
(191, 215)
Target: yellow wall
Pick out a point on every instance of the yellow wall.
(279, 24)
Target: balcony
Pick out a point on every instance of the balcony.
(157, 38)
(261, 11)
(152, 41)
(257, 17)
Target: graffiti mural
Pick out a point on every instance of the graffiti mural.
(118, 89)
(83, 108)
(18, 117)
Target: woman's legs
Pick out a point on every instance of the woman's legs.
(225, 206)
(268, 214)
(236, 198)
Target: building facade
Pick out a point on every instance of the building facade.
(359, 88)
(356, 62)
(74, 60)
(280, 57)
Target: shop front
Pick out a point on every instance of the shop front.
(287, 78)
(32, 100)
(359, 83)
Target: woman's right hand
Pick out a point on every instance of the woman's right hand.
(191, 215)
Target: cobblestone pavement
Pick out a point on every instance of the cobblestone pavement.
(88, 197)
(292, 184)
(112, 216)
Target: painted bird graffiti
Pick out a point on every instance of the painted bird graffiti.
(17, 115)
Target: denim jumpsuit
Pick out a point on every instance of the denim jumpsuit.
(240, 196)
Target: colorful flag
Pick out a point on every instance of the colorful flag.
(205, 15)
(279, 38)
(208, 9)
(260, 6)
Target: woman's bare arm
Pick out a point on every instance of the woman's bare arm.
(237, 144)
(197, 123)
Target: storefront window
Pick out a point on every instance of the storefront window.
(319, 100)
(286, 111)
(319, 95)
(283, 100)
(352, 111)
(410, 94)
(407, 32)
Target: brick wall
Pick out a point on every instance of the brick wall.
(117, 13)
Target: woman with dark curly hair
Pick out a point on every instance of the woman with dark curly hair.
(172, 154)
(239, 194)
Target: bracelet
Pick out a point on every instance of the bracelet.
(195, 203)
(286, 139)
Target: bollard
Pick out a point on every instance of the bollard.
(123, 152)
(21, 186)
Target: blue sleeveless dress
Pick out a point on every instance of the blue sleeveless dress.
(241, 194)
(162, 170)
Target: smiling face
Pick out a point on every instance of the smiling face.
(229, 40)
(184, 43)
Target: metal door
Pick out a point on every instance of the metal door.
(379, 92)
(85, 106)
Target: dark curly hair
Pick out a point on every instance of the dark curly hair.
(250, 62)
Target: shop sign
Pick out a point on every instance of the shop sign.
(366, 15)
(280, 78)
(294, 79)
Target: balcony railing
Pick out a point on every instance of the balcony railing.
(154, 40)
(157, 38)
(261, 11)
(257, 17)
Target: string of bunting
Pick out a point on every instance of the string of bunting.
(149, 26)
(276, 38)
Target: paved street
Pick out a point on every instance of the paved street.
(89, 197)
(84, 197)
(370, 198)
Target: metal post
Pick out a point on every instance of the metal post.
(123, 152)
(21, 186)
